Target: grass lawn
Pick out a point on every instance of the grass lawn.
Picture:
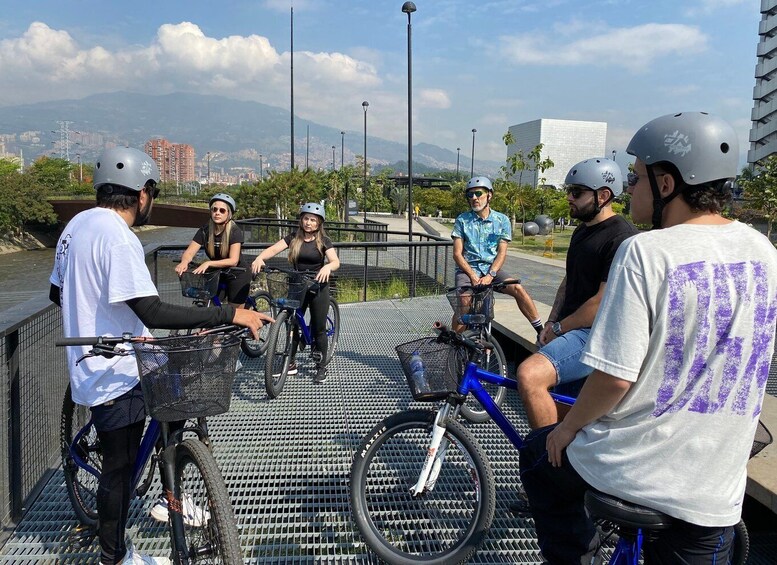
(536, 244)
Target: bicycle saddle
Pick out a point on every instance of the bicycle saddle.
(603, 506)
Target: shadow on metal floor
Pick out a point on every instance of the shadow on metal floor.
(287, 461)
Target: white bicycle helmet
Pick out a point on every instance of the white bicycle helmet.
(223, 197)
(127, 167)
(313, 208)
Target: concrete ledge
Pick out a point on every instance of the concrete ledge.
(762, 469)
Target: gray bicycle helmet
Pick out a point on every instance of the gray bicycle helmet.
(595, 174)
(125, 166)
(702, 146)
(313, 208)
(221, 196)
(479, 182)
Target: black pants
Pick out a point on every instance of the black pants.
(568, 536)
(319, 307)
(238, 286)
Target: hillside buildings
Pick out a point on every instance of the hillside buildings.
(175, 160)
(763, 132)
(566, 142)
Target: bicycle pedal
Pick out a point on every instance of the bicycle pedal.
(82, 536)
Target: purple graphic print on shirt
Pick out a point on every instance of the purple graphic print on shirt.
(720, 291)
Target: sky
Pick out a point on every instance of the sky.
(482, 64)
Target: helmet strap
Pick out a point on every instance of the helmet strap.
(659, 202)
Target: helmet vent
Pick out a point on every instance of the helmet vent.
(119, 166)
(724, 147)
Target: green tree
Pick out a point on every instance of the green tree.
(23, 202)
(53, 174)
(760, 190)
(8, 166)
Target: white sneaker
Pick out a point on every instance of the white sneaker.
(132, 557)
(193, 515)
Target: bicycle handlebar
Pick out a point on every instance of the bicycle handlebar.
(444, 335)
(481, 287)
(127, 337)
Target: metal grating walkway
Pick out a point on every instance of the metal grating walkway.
(287, 461)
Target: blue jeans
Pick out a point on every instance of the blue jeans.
(564, 353)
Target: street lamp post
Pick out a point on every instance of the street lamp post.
(472, 164)
(80, 169)
(365, 105)
(342, 148)
(333, 158)
(458, 154)
(614, 152)
(261, 168)
(208, 155)
(408, 8)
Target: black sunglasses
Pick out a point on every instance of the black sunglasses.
(576, 191)
(475, 193)
(632, 178)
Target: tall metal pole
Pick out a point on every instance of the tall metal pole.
(408, 8)
(307, 148)
(614, 152)
(261, 168)
(292, 89)
(80, 169)
(458, 154)
(334, 168)
(342, 148)
(208, 154)
(472, 165)
(365, 104)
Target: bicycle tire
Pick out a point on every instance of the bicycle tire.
(332, 329)
(198, 478)
(438, 527)
(276, 362)
(494, 362)
(259, 301)
(81, 485)
(740, 549)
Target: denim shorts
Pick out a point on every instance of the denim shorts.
(462, 278)
(564, 352)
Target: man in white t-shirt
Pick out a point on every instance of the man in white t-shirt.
(680, 348)
(101, 281)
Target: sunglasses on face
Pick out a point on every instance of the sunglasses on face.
(215, 209)
(576, 191)
(475, 193)
(633, 178)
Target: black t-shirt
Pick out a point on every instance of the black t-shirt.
(591, 251)
(235, 236)
(310, 258)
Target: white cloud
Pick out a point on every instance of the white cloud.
(434, 98)
(707, 7)
(633, 47)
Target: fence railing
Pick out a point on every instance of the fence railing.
(33, 372)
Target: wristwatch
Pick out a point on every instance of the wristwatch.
(492, 272)
(556, 328)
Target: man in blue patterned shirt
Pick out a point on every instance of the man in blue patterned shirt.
(480, 239)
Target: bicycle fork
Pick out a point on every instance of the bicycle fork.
(435, 455)
(174, 506)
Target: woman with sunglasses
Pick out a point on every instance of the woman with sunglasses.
(221, 228)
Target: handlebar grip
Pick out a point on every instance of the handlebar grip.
(67, 341)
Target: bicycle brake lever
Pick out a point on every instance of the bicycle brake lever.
(101, 349)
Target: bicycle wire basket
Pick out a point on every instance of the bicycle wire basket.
(470, 301)
(439, 371)
(200, 287)
(762, 439)
(187, 376)
(292, 286)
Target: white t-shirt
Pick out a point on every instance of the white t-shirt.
(689, 317)
(98, 266)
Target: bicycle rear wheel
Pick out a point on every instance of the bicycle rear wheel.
(259, 301)
(81, 484)
(444, 524)
(493, 361)
(332, 329)
(276, 363)
(212, 535)
(741, 546)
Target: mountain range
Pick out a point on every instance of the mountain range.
(234, 132)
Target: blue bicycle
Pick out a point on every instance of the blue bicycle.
(422, 488)
(290, 331)
(209, 289)
(183, 378)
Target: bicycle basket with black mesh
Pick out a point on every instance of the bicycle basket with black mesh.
(762, 439)
(430, 368)
(291, 286)
(187, 376)
(468, 302)
(200, 287)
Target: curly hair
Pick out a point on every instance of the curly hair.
(713, 197)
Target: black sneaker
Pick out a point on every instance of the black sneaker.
(320, 375)
(521, 507)
(316, 356)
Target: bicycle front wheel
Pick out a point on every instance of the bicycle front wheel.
(276, 363)
(81, 484)
(332, 329)
(209, 523)
(493, 360)
(259, 301)
(444, 524)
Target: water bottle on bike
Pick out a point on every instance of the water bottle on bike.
(418, 373)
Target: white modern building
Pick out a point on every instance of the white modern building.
(565, 142)
(763, 132)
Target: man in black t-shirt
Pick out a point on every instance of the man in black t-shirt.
(591, 186)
